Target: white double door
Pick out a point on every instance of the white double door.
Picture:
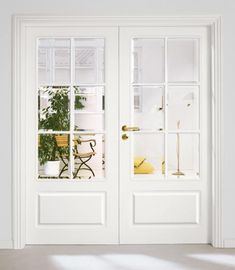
(147, 182)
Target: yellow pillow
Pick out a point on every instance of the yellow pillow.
(144, 168)
(138, 161)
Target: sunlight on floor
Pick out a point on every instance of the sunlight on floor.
(112, 261)
(221, 259)
(123, 257)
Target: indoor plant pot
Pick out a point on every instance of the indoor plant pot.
(52, 168)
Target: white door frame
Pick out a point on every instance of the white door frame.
(23, 22)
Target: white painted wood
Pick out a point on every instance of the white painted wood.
(90, 218)
(166, 207)
(63, 21)
(83, 208)
(18, 138)
(217, 134)
(23, 22)
(174, 231)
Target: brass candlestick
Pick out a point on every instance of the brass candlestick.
(178, 172)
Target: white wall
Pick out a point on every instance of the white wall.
(109, 8)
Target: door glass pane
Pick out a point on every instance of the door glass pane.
(53, 108)
(148, 60)
(148, 155)
(54, 61)
(183, 108)
(44, 71)
(89, 60)
(183, 156)
(53, 156)
(148, 108)
(71, 100)
(183, 60)
(89, 108)
(88, 152)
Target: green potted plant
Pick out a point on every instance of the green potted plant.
(55, 117)
(48, 154)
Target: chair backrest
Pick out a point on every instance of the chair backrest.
(90, 142)
(62, 140)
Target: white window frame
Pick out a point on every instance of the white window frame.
(22, 22)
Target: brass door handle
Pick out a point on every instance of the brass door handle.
(126, 128)
(124, 137)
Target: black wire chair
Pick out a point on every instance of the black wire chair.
(83, 157)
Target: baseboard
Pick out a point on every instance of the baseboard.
(229, 243)
(6, 244)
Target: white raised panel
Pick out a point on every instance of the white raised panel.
(166, 207)
(72, 208)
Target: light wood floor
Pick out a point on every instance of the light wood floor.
(120, 257)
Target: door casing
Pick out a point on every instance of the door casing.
(20, 26)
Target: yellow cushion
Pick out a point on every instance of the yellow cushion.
(138, 161)
(144, 168)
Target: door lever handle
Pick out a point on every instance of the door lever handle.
(126, 128)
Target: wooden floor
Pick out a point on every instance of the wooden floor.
(119, 257)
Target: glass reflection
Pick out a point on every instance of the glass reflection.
(54, 61)
(148, 108)
(89, 60)
(183, 60)
(148, 60)
(183, 106)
